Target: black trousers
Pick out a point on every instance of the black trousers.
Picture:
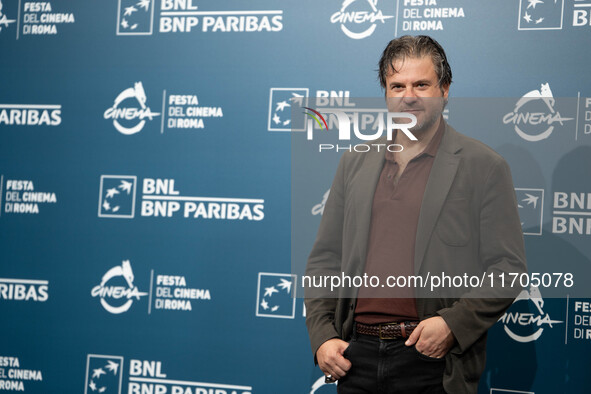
(388, 366)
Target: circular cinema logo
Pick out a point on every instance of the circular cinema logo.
(534, 115)
(128, 118)
(4, 21)
(359, 18)
(529, 321)
(117, 295)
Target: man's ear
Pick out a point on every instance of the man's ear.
(445, 91)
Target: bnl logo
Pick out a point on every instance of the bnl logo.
(276, 295)
(282, 101)
(540, 15)
(103, 374)
(530, 203)
(135, 17)
(117, 196)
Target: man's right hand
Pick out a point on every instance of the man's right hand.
(330, 358)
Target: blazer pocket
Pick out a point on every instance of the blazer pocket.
(453, 226)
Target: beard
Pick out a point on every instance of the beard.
(428, 115)
(427, 111)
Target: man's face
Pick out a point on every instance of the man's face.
(415, 89)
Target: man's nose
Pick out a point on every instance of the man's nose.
(410, 96)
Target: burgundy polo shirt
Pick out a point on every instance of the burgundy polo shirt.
(391, 245)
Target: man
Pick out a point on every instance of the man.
(445, 203)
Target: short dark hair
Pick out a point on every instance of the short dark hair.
(416, 47)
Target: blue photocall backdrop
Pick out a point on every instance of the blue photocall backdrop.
(146, 192)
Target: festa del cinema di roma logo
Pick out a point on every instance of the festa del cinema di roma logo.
(4, 21)
(521, 118)
(127, 117)
(363, 16)
(109, 293)
(518, 325)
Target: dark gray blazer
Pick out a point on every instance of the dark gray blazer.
(468, 222)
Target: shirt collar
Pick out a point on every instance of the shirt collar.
(433, 145)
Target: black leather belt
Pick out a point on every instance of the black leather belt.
(387, 330)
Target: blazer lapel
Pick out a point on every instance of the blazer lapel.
(440, 179)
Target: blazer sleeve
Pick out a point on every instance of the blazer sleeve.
(502, 250)
(325, 259)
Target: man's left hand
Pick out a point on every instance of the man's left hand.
(432, 337)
